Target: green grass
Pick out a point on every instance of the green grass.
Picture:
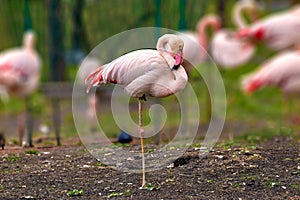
(252, 138)
(31, 152)
(10, 171)
(13, 158)
(99, 164)
(114, 194)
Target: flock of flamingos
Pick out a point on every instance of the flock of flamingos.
(162, 72)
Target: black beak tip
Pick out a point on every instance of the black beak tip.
(175, 67)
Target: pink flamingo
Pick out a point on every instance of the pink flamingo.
(279, 31)
(193, 41)
(92, 102)
(19, 72)
(142, 73)
(224, 46)
(281, 71)
(228, 50)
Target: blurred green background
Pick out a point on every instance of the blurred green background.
(100, 19)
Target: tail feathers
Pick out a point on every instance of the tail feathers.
(95, 77)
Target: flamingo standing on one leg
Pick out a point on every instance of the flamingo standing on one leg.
(155, 73)
(19, 72)
(279, 31)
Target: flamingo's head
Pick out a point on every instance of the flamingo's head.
(178, 59)
(250, 86)
(172, 44)
(176, 48)
(258, 34)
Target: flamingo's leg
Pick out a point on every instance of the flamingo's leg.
(21, 128)
(141, 130)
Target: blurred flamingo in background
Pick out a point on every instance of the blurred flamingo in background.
(92, 102)
(281, 71)
(195, 43)
(279, 31)
(19, 73)
(155, 73)
(226, 49)
(248, 7)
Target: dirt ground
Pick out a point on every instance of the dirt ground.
(270, 170)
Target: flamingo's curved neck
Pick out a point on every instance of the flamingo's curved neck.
(29, 41)
(180, 80)
(208, 21)
(238, 10)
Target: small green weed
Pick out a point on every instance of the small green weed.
(209, 181)
(100, 164)
(127, 193)
(150, 187)
(75, 193)
(116, 146)
(31, 152)
(13, 158)
(114, 194)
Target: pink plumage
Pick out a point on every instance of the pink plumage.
(148, 72)
(281, 71)
(228, 50)
(279, 31)
(19, 73)
(196, 43)
(155, 73)
(20, 67)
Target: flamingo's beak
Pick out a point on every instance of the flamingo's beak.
(178, 59)
(243, 33)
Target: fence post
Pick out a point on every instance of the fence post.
(182, 20)
(56, 54)
(28, 109)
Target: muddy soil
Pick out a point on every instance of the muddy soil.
(270, 170)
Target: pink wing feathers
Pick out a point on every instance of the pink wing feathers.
(135, 68)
